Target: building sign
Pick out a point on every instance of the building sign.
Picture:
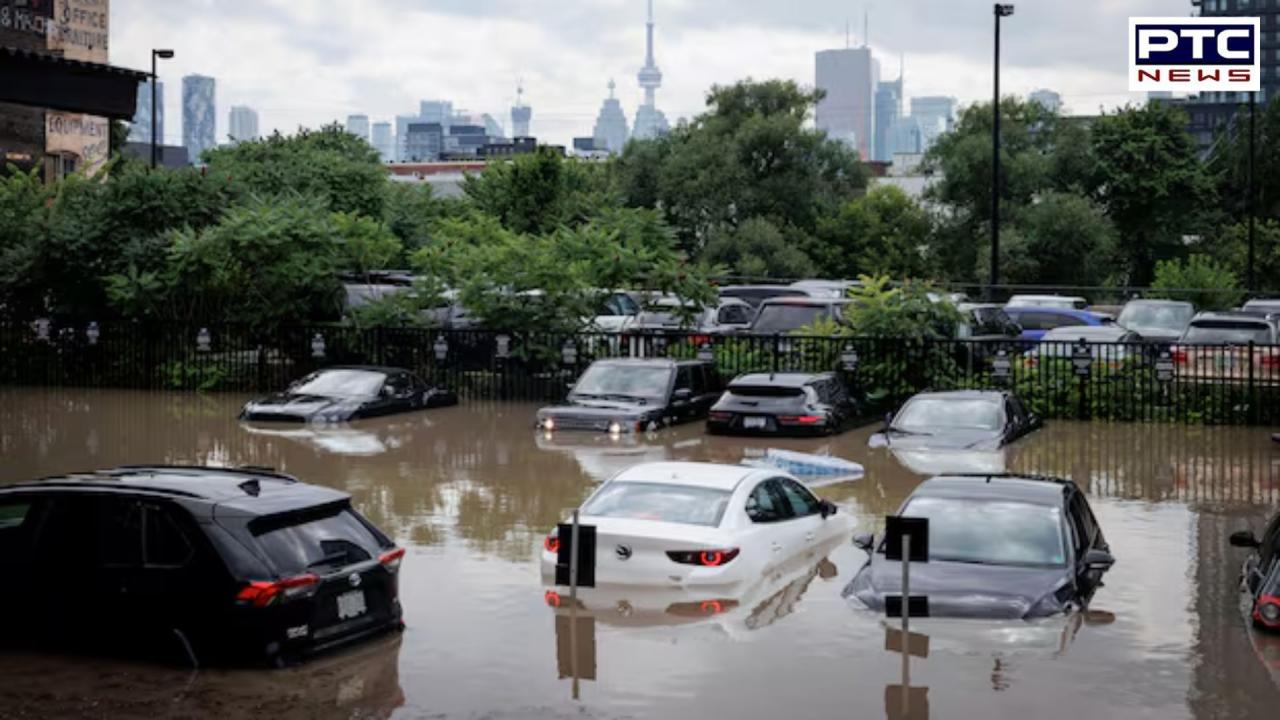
(85, 137)
(1215, 54)
(24, 24)
(79, 29)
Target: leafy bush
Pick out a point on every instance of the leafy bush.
(1204, 281)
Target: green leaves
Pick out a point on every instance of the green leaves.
(1200, 279)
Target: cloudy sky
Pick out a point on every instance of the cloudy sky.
(305, 62)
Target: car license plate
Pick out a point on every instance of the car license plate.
(753, 423)
(351, 605)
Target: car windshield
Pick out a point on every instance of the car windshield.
(947, 414)
(784, 318)
(607, 379)
(332, 538)
(991, 532)
(1161, 317)
(1227, 333)
(341, 383)
(683, 504)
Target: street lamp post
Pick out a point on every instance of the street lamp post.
(165, 54)
(1001, 10)
(1253, 192)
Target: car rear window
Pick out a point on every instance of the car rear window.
(1222, 332)
(784, 318)
(323, 539)
(15, 524)
(683, 504)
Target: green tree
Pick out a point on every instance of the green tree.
(1198, 278)
(1230, 247)
(538, 192)
(884, 232)
(750, 155)
(1150, 179)
(757, 249)
(1039, 152)
(1060, 239)
(23, 220)
(366, 244)
(1230, 160)
(330, 164)
(267, 263)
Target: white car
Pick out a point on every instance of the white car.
(674, 524)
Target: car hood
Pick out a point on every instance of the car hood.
(1155, 334)
(964, 590)
(303, 407)
(949, 440)
(940, 462)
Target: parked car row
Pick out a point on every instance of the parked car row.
(631, 395)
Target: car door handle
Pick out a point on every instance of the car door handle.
(777, 547)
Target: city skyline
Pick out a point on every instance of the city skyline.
(320, 73)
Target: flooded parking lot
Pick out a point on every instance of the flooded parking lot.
(472, 490)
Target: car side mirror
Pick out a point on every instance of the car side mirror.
(864, 541)
(682, 395)
(1244, 539)
(888, 420)
(828, 509)
(1098, 560)
(387, 391)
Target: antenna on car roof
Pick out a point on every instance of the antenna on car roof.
(251, 487)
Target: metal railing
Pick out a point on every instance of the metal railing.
(1098, 381)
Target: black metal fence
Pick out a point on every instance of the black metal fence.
(1103, 381)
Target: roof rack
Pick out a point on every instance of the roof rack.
(64, 482)
(253, 471)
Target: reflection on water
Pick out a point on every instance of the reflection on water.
(471, 491)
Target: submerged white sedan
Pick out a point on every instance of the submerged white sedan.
(696, 525)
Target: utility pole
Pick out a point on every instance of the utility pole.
(1001, 10)
(1253, 190)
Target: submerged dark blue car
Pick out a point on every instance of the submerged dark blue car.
(1000, 547)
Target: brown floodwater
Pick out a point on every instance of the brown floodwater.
(472, 490)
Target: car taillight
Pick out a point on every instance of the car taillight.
(1179, 356)
(552, 598)
(1267, 611)
(700, 340)
(263, 593)
(705, 558)
(548, 424)
(799, 419)
(1270, 360)
(721, 416)
(392, 558)
(551, 543)
(1031, 361)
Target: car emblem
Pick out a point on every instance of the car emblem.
(355, 580)
(623, 552)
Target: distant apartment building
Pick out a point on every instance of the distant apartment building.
(199, 115)
(358, 125)
(243, 124)
(1048, 99)
(936, 115)
(849, 77)
(140, 126)
(384, 141)
(423, 142)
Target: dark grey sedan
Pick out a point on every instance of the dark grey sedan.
(1000, 547)
(960, 420)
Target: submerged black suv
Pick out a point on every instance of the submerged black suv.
(635, 395)
(784, 404)
(193, 563)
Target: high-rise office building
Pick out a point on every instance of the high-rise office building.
(244, 124)
(439, 112)
(1048, 99)
(521, 114)
(849, 78)
(423, 141)
(888, 112)
(650, 121)
(936, 115)
(140, 127)
(199, 115)
(611, 125)
(383, 141)
(358, 125)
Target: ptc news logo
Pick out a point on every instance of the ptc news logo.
(1194, 54)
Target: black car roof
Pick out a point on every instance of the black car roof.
(778, 379)
(649, 362)
(1034, 489)
(249, 488)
